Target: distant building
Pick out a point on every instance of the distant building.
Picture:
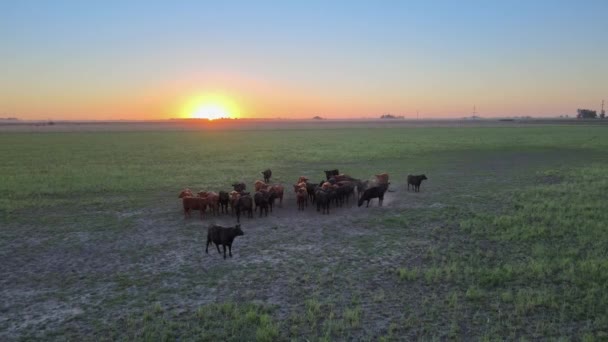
(586, 114)
(317, 118)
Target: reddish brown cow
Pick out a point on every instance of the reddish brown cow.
(212, 199)
(382, 178)
(302, 198)
(185, 193)
(189, 202)
(278, 191)
(259, 185)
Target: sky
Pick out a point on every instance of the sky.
(109, 60)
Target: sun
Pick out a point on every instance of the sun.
(210, 111)
(210, 107)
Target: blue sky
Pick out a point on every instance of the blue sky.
(137, 59)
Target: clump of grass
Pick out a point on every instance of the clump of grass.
(222, 321)
(313, 309)
(353, 316)
(267, 330)
(408, 274)
(474, 293)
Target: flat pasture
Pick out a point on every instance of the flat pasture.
(506, 240)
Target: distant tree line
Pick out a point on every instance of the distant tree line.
(390, 116)
(586, 114)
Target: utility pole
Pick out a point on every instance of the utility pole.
(603, 112)
(417, 115)
(474, 110)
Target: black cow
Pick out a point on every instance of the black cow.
(311, 188)
(223, 201)
(330, 173)
(344, 191)
(272, 195)
(267, 174)
(322, 199)
(374, 192)
(244, 204)
(361, 187)
(239, 187)
(222, 236)
(415, 182)
(261, 201)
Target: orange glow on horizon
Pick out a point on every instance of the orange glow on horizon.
(209, 106)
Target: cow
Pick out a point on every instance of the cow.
(272, 195)
(322, 199)
(189, 202)
(261, 201)
(344, 190)
(343, 177)
(193, 203)
(239, 187)
(212, 200)
(223, 201)
(279, 190)
(222, 236)
(330, 173)
(361, 187)
(185, 193)
(415, 182)
(325, 185)
(244, 204)
(310, 189)
(267, 174)
(382, 178)
(302, 197)
(259, 185)
(234, 198)
(374, 192)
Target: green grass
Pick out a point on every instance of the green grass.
(545, 272)
(213, 322)
(507, 240)
(104, 168)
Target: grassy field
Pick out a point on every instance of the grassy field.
(506, 240)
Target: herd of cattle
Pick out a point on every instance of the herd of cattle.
(336, 189)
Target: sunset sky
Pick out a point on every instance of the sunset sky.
(99, 60)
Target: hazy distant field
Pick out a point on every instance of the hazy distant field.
(507, 239)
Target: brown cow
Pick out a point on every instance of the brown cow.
(212, 199)
(382, 178)
(185, 193)
(302, 198)
(278, 190)
(326, 186)
(259, 185)
(189, 202)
